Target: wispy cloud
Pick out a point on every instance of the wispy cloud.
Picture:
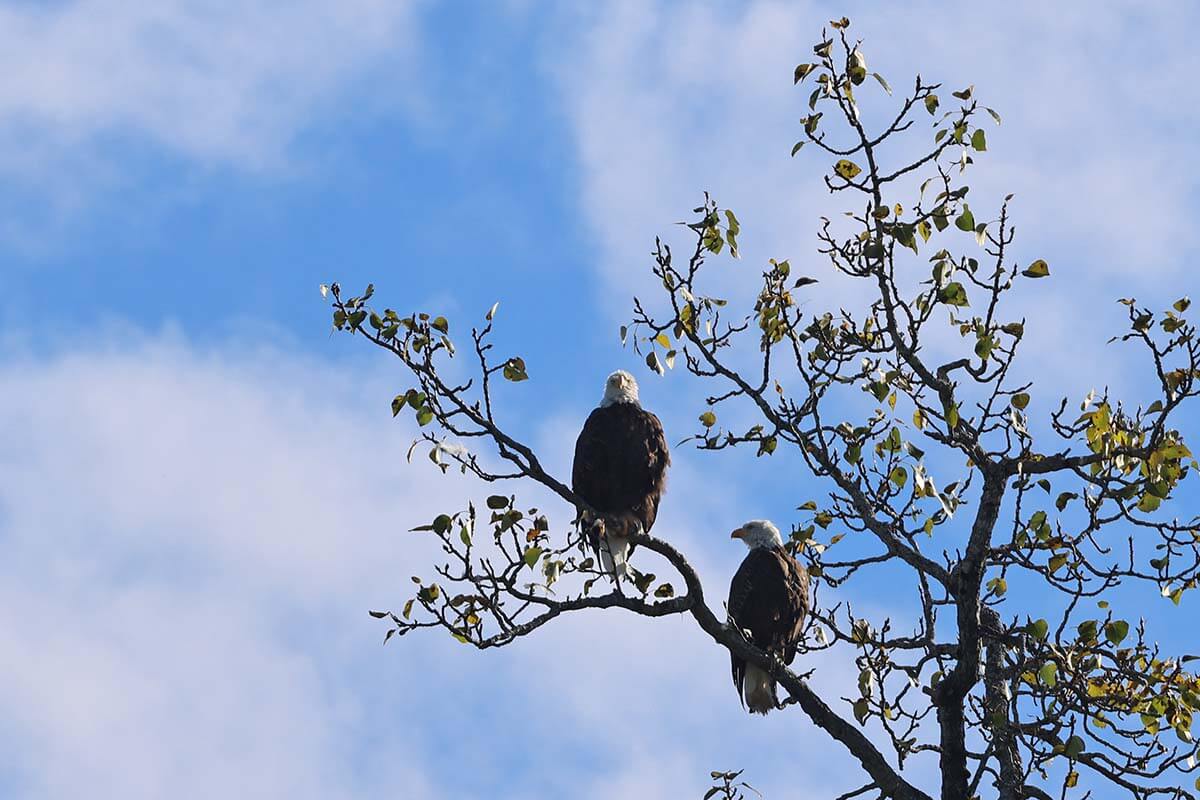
(191, 549)
(141, 100)
(192, 538)
(228, 84)
(1098, 106)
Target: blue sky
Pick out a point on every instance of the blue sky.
(201, 491)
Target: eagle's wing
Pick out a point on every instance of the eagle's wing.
(743, 607)
(620, 468)
(794, 611)
(591, 461)
(653, 457)
(768, 597)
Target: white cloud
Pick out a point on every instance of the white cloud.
(224, 83)
(191, 546)
(191, 540)
(1098, 106)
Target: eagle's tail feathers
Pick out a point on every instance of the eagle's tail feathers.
(760, 690)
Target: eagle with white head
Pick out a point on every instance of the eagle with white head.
(620, 470)
(768, 600)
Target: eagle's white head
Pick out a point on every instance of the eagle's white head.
(758, 533)
(620, 388)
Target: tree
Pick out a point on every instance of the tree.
(1032, 693)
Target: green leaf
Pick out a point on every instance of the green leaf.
(398, 403)
(899, 476)
(882, 82)
(1020, 400)
(802, 72)
(1149, 503)
(1073, 747)
(734, 226)
(653, 363)
(1048, 674)
(861, 710)
(1061, 501)
(514, 370)
(424, 416)
(965, 221)
(995, 116)
(441, 523)
(1182, 304)
(665, 591)
(708, 419)
(796, 147)
(953, 294)
(642, 580)
(984, 346)
(941, 218)
(532, 554)
(846, 169)
(1056, 562)
(407, 608)
(440, 324)
(1038, 629)
(979, 140)
(1013, 329)
(663, 341)
(998, 586)
(497, 502)
(1038, 269)
(931, 103)
(1116, 631)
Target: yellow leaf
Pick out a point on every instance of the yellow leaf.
(1038, 269)
(846, 169)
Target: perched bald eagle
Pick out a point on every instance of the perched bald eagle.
(768, 599)
(620, 470)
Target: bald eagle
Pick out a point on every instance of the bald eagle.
(620, 470)
(768, 599)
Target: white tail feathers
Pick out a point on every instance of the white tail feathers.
(759, 690)
(614, 555)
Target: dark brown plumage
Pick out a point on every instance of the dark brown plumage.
(768, 598)
(621, 460)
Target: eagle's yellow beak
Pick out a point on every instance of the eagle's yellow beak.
(738, 534)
